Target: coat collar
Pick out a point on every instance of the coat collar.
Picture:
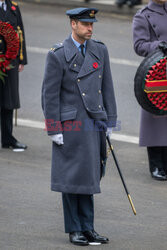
(160, 8)
(71, 50)
(83, 66)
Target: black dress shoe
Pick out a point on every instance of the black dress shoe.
(120, 3)
(159, 175)
(16, 145)
(132, 3)
(77, 238)
(92, 236)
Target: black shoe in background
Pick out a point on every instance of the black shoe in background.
(120, 3)
(132, 3)
(158, 174)
(16, 145)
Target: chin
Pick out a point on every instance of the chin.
(88, 37)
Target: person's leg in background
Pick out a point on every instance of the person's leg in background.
(164, 157)
(7, 127)
(156, 163)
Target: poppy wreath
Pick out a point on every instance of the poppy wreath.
(151, 82)
(12, 47)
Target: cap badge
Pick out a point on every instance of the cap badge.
(92, 14)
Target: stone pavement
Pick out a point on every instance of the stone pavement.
(31, 215)
(108, 6)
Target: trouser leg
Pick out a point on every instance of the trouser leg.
(86, 212)
(164, 157)
(78, 212)
(70, 208)
(155, 158)
(7, 127)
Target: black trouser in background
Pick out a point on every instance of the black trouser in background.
(7, 127)
(78, 212)
(157, 157)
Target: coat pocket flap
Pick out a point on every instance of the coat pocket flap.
(68, 115)
(98, 115)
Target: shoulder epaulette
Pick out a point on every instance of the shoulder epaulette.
(98, 41)
(14, 3)
(56, 47)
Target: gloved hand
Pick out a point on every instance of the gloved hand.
(58, 139)
(109, 131)
(163, 46)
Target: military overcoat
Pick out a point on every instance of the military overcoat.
(9, 92)
(77, 91)
(149, 29)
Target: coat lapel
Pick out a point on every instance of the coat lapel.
(92, 60)
(83, 66)
(72, 55)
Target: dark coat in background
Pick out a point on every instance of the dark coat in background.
(149, 29)
(77, 91)
(9, 92)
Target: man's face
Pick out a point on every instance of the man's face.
(81, 31)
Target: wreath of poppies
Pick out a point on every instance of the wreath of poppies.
(12, 47)
(150, 83)
(156, 84)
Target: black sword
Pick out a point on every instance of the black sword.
(120, 173)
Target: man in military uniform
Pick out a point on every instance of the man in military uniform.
(9, 90)
(79, 104)
(149, 31)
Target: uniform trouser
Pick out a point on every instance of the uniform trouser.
(7, 127)
(157, 158)
(78, 212)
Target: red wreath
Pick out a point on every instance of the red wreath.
(156, 84)
(12, 47)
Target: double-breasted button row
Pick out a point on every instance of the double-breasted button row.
(85, 94)
(79, 79)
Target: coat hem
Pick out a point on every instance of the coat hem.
(153, 145)
(75, 189)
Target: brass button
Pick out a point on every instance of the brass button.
(83, 94)
(99, 76)
(78, 80)
(99, 106)
(99, 91)
(75, 65)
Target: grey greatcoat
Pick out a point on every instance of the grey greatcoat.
(149, 29)
(76, 91)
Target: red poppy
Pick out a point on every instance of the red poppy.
(95, 65)
(13, 8)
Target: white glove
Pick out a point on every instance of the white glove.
(109, 131)
(58, 139)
